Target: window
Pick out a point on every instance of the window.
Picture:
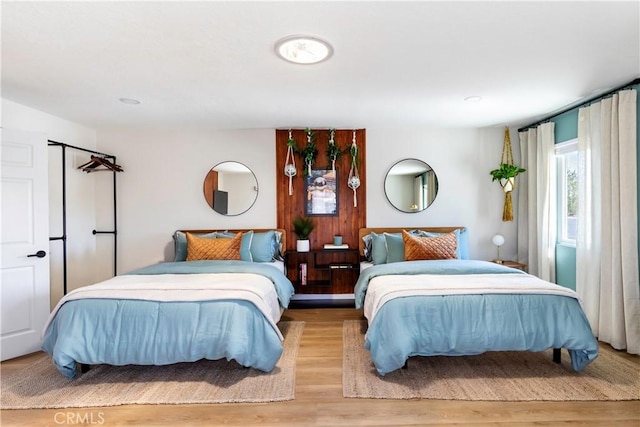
(567, 176)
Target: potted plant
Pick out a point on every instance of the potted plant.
(333, 151)
(309, 152)
(506, 174)
(302, 227)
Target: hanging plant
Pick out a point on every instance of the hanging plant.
(309, 152)
(290, 168)
(333, 152)
(354, 179)
(506, 175)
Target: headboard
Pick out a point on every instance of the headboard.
(379, 230)
(255, 230)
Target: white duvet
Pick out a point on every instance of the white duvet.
(385, 288)
(253, 288)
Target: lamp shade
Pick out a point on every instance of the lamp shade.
(498, 240)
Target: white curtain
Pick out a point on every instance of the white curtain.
(537, 202)
(607, 244)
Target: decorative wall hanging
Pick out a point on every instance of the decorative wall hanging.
(333, 152)
(290, 168)
(322, 193)
(506, 175)
(309, 151)
(354, 179)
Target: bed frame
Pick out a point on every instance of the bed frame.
(557, 353)
(85, 368)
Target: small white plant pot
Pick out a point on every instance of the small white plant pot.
(508, 184)
(302, 245)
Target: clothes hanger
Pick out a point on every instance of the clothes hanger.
(96, 162)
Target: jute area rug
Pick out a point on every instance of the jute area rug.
(492, 376)
(40, 385)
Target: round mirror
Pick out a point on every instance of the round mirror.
(411, 185)
(230, 188)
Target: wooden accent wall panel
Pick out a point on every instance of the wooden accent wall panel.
(349, 219)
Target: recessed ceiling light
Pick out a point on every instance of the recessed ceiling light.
(473, 99)
(303, 49)
(129, 101)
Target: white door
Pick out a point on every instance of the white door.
(24, 242)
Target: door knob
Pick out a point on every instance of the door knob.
(39, 254)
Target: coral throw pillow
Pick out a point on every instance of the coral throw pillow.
(422, 248)
(202, 248)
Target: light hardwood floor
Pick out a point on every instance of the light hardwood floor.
(319, 400)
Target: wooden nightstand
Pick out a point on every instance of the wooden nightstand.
(331, 271)
(512, 264)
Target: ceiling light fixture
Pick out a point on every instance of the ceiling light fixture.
(129, 101)
(473, 99)
(303, 49)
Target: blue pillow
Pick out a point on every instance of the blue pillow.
(245, 246)
(367, 247)
(395, 247)
(180, 244)
(263, 246)
(378, 248)
(277, 246)
(226, 234)
(463, 243)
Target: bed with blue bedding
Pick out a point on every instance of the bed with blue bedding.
(181, 311)
(465, 307)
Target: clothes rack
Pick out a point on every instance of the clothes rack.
(63, 237)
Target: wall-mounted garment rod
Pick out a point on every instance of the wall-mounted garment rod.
(582, 104)
(102, 161)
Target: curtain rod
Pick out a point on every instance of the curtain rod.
(589, 101)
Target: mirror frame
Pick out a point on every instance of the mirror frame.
(210, 182)
(386, 191)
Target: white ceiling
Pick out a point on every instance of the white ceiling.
(411, 64)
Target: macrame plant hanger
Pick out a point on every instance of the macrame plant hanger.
(509, 184)
(333, 151)
(354, 178)
(290, 168)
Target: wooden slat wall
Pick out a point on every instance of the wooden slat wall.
(350, 219)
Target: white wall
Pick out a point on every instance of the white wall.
(161, 189)
(81, 243)
(461, 159)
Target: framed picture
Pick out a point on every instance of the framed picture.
(321, 189)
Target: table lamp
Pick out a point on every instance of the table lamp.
(498, 240)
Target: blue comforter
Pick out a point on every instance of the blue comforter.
(471, 324)
(125, 331)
